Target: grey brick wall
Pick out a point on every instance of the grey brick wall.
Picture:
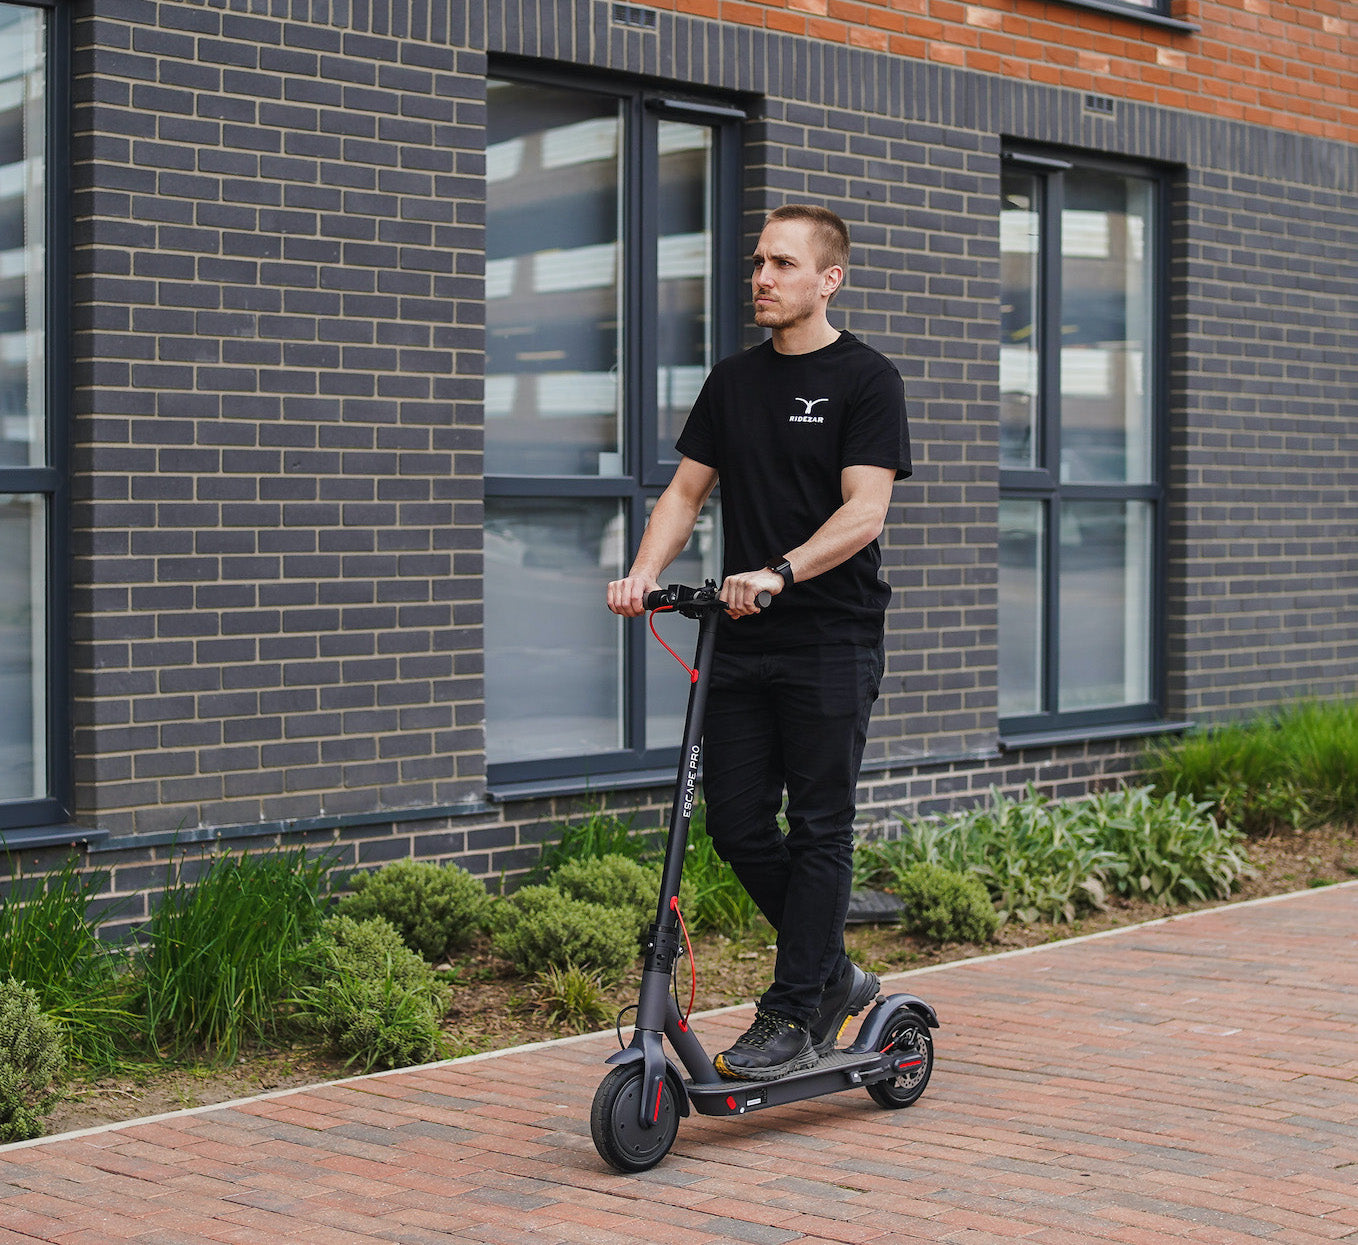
(278, 250)
(278, 333)
(1264, 559)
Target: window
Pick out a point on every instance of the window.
(33, 764)
(610, 290)
(1081, 499)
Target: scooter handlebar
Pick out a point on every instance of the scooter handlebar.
(678, 596)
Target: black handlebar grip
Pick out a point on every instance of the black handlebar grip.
(674, 597)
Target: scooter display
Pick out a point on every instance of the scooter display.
(636, 1111)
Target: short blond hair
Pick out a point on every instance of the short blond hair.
(830, 235)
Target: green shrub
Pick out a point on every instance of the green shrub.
(540, 927)
(1050, 859)
(570, 998)
(1167, 849)
(50, 942)
(619, 883)
(371, 998)
(223, 950)
(1294, 769)
(31, 1059)
(435, 908)
(946, 906)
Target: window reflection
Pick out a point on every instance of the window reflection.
(553, 652)
(553, 381)
(1105, 604)
(1105, 329)
(684, 275)
(1019, 249)
(23, 631)
(1021, 606)
(22, 241)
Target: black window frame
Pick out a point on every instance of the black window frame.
(648, 466)
(1042, 483)
(45, 820)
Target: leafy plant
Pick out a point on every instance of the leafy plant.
(570, 998)
(599, 834)
(435, 908)
(619, 883)
(1049, 859)
(370, 997)
(225, 948)
(1294, 769)
(50, 942)
(31, 1059)
(540, 927)
(946, 906)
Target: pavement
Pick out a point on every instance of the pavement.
(1192, 1080)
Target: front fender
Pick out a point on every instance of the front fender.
(632, 1054)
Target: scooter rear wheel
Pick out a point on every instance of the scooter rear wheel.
(615, 1123)
(908, 1034)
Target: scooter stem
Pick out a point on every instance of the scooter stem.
(663, 944)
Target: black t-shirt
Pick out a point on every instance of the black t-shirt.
(779, 429)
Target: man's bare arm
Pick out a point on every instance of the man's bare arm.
(667, 532)
(855, 524)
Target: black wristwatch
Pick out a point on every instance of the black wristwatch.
(780, 566)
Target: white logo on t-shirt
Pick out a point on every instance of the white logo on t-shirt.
(806, 417)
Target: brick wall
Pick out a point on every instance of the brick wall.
(277, 223)
(278, 248)
(1288, 66)
(1264, 454)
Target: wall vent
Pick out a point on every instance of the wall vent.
(634, 15)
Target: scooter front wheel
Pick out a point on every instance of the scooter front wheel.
(615, 1121)
(906, 1034)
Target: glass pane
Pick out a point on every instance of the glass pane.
(1106, 325)
(1022, 540)
(22, 240)
(553, 651)
(1019, 232)
(1105, 604)
(684, 275)
(553, 206)
(23, 631)
(666, 683)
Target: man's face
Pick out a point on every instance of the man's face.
(787, 283)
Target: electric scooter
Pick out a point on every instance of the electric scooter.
(636, 1111)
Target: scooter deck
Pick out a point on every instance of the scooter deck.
(837, 1070)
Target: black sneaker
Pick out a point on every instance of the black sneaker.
(772, 1047)
(847, 997)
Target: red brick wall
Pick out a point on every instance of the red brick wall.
(1288, 66)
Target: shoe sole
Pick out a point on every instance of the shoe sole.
(854, 1004)
(771, 1073)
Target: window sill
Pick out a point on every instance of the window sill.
(632, 780)
(1084, 734)
(1145, 16)
(32, 837)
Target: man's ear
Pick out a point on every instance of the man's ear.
(831, 279)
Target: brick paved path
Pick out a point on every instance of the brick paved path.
(1191, 1081)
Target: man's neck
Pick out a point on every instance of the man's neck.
(804, 338)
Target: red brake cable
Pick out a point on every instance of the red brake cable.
(667, 609)
(692, 963)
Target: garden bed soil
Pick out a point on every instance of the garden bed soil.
(493, 1008)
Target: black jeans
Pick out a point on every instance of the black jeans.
(796, 719)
